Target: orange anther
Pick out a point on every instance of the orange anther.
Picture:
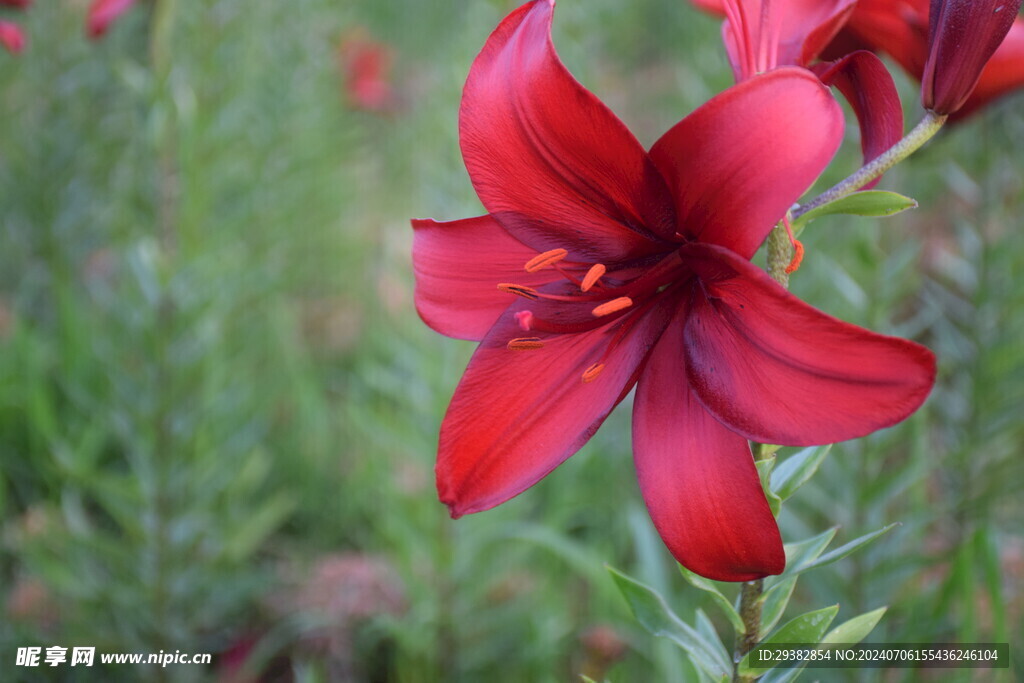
(548, 258)
(591, 373)
(595, 273)
(525, 344)
(798, 257)
(612, 306)
(518, 290)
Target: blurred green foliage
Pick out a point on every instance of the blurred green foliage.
(218, 409)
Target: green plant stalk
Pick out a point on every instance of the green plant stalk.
(780, 253)
(750, 613)
(922, 133)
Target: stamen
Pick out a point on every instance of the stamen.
(592, 373)
(548, 258)
(519, 290)
(595, 273)
(612, 306)
(798, 257)
(525, 320)
(525, 344)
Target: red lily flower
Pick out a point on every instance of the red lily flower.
(632, 268)
(901, 30)
(11, 37)
(102, 13)
(760, 35)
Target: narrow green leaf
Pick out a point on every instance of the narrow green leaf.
(856, 629)
(716, 595)
(809, 627)
(794, 471)
(801, 553)
(707, 629)
(651, 610)
(844, 550)
(764, 472)
(867, 203)
(774, 604)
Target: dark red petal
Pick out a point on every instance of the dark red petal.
(738, 163)
(870, 90)
(964, 34)
(779, 371)
(716, 7)
(1003, 73)
(12, 37)
(548, 159)
(458, 267)
(698, 478)
(102, 13)
(517, 415)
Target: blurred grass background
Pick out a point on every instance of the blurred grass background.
(218, 408)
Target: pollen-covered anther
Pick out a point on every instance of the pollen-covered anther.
(525, 320)
(519, 290)
(592, 373)
(595, 273)
(613, 306)
(525, 344)
(548, 258)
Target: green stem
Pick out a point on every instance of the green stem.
(922, 132)
(750, 613)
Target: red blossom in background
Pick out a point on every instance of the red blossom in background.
(12, 37)
(632, 269)
(366, 69)
(901, 29)
(761, 35)
(102, 13)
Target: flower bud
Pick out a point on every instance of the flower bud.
(963, 35)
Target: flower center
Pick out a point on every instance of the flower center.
(614, 304)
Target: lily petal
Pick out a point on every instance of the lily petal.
(776, 370)
(698, 478)
(761, 34)
(12, 37)
(740, 161)
(517, 415)
(548, 160)
(458, 266)
(868, 86)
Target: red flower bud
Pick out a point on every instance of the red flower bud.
(963, 35)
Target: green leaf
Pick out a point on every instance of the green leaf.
(856, 629)
(867, 203)
(809, 627)
(764, 472)
(844, 550)
(774, 604)
(651, 610)
(794, 471)
(719, 599)
(707, 629)
(800, 554)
